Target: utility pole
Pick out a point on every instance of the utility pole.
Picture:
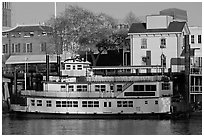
(187, 69)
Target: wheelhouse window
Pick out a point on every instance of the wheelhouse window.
(166, 86)
(163, 43)
(79, 67)
(71, 88)
(32, 102)
(143, 43)
(39, 102)
(84, 103)
(68, 67)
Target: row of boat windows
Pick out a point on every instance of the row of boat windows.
(98, 88)
(85, 103)
(102, 88)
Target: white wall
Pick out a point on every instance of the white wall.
(173, 48)
(158, 21)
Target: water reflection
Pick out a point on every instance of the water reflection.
(99, 127)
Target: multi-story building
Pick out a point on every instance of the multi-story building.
(26, 40)
(196, 64)
(157, 42)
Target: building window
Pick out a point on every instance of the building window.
(39, 102)
(119, 88)
(163, 43)
(79, 67)
(43, 47)
(119, 103)
(146, 102)
(138, 87)
(17, 48)
(143, 43)
(49, 103)
(73, 67)
(192, 39)
(5, 48)
(199, 39)
(71, 88)
(13, 48)
(32, 102)
(100, 88)
(81, 87)
(166, 86)
(29, 47)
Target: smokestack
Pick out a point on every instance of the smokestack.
(47, 67)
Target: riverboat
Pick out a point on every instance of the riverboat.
(79, 93)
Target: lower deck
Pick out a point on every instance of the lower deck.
(95, 106)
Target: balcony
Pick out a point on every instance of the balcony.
(196, 89)
(196, 70)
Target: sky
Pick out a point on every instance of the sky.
(39, 12)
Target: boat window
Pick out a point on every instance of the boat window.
(124, 103)
(79, 67)
(81, 87)
(96, 103)
(58, 103)
(105, 104)
(99, 88)
(111, 88)
(69, 103)
(90, 103)
(71, 88)
(84, 103)
(49, 103)
(130, 103)
(73, 67)
(39, 102)
(68, 67)
(150, 87)
(119, 103)
(109, 104)
(32, 102)
(146, 102)
(64, 104)
(138, 87)
(166, 86)
(119, 87)
(75, 103)
(139, 93)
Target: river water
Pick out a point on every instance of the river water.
(12, 126)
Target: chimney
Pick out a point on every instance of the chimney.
(158, 21)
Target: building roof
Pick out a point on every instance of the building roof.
(141, 28)
(21, 59)
(29, 28)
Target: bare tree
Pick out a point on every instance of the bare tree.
(131, 18)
